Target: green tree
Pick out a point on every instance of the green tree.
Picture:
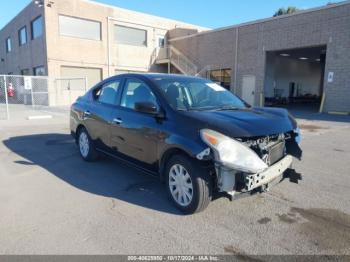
(284, 11)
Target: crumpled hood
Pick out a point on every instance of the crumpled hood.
(246, 123)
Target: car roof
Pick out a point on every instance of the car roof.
(153, 76)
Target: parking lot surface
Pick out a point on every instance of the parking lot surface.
(52, 202)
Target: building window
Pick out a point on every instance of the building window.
(222, 77)
(39, 71)
(37, 27)
(22, 36)
(130, 36)
(25, 72)
(80, 28)
(8, 45)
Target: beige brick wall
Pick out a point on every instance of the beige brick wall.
(326, 26)
(70, 51)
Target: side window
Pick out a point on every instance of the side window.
(136, 91)
(107, 93)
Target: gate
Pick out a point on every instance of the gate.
(69, 89)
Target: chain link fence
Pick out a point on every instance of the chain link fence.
(26, 96)
(4, 107)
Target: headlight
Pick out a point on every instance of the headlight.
(233, 153)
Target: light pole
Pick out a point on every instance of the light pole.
(39, 3)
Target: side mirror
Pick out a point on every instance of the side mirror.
(146, 107)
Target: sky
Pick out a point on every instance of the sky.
(206, 13)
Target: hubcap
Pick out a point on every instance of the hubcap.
(84, 144)
(180, 185)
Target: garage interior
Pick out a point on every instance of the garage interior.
(294, 78)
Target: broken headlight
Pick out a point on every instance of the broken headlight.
(232, 153)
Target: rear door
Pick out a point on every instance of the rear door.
(98, 114)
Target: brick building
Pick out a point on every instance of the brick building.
(301, 59)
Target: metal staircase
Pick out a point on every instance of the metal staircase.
(171, 55)
(205, 72)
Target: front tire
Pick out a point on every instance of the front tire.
(189, 185)
(86, 146)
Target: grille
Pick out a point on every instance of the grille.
(276, 152)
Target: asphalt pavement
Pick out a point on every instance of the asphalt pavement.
(52, 202)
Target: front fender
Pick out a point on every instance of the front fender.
(191, 147)
(177, 144)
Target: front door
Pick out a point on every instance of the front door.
(248, 89)
(135, 134)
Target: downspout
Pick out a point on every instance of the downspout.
(108, 49)
(236, 62)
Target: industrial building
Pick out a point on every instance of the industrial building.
(297, 60)
(301, 59)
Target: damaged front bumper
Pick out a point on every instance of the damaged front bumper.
(269, 175)
(233, 182)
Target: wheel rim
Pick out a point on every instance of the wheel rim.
(84, 144)
(180, 185)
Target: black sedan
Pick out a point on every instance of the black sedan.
(199, 138)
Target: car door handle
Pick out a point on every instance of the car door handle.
(117, 121)
(86, 115)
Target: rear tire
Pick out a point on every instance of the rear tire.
(188, 184)
(86, 146)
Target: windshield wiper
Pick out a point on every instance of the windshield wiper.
(228, 108)
(211, 108)
(201, 109)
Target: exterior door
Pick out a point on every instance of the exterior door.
(135, 134)
(68, 90)
(248, 89)
(72, 83)
(160, 43)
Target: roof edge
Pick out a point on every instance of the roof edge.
(156, 16)
(315, 9)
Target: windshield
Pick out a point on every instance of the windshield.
(198, 94)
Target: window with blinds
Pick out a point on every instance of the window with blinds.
(130, 36)
(80, 28)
